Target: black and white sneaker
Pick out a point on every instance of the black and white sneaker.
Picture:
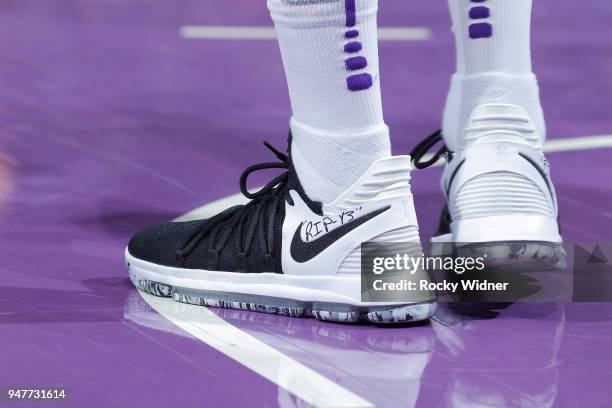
(501, 202)
(284, 253)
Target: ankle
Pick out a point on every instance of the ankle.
(327, 163)
(476, 97)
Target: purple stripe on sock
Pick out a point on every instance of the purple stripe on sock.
(351, 12)
(351, 34)
(355, 63)
(481, 30)
(479, 12)
(359, 82)
(353, 46)
(478, 1)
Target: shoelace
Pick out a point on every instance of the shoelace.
(243, 221)
(421, 149)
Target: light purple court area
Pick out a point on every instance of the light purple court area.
(111, 121)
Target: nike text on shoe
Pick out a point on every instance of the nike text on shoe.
(284, 253)
(500, 199)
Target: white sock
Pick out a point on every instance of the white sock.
(493, 66)
(330, 54)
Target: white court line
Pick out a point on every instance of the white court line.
(213, 208)
(266, 361)
(578, 143)
(268, 33)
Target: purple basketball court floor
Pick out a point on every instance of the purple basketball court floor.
(113, 116)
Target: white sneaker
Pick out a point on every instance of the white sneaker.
(500, 197)
(284, 253)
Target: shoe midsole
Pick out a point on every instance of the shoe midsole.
(506, 228)
(342, 289)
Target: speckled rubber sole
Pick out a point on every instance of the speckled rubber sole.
(331, 312)
(522, 256)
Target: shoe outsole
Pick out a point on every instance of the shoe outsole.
(329, 312)
(520, 256)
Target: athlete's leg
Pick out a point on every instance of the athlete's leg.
(330, 54)
(496, 179)
(493, 49)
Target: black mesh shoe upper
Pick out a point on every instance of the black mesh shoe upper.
(244, 238)
(159, 244)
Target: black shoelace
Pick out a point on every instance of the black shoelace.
(420, 150)
(243, 223)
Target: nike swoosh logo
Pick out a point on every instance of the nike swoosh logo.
(305, 251)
